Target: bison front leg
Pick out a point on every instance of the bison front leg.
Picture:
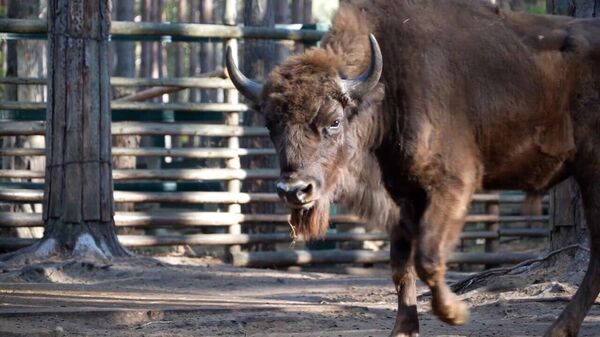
(439, 230)
(401, 256)
(569, 322)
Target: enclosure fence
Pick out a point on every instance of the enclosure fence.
(213, 215)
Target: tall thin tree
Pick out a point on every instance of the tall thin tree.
(124, 67)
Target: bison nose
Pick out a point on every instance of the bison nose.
(295, 192)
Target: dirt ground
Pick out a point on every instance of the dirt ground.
(174, 296)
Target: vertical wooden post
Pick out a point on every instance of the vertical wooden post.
(491, 245)
(78, 200)
(232, 118)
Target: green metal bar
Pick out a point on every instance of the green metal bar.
(138, 106)
(192, 31)
(181, 82)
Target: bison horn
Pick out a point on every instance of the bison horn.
(249, 88)
(366, 81)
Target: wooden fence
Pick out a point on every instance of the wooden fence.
(222, 224)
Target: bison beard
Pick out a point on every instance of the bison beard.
(312, 223)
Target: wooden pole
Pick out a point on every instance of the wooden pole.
(78, 204)
(233, 119)
(491, 244)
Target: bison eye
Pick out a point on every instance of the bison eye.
(335, 125)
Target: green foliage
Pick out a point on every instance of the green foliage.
(536, 7)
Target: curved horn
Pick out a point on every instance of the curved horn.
(249, 88)
(366, 81)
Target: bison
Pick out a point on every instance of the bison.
(455, 96)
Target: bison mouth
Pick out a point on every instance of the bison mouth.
(310, 219)
(303, 206)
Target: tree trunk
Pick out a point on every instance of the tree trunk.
(297, 11)
(78, 199)
(177, 47)
(259, 58)
(194, 17)
(157, 56)
(125, 50)
(26, 58)
(308, 16)
(125, 67)
(567, 220)
(146, 57)
(207, 50)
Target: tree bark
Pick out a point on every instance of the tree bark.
(78, 198)
(259, 58)
(125, 50)
(194, 17)
(207, 50)
(125, 67)
(146, 57)
(297, 11)
(157, 50)
(567, 220)
(308, 16)
(177, 47)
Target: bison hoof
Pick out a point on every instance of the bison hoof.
(454, 312)
(558, 331)
(404, 334)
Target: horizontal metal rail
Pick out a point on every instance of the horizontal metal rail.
(29, 195)
(179, 82)
(189, 31)
(32, 195)
(227, 239)
(279, 259)
(144, 128)
(185, 219)
(302, 257)
(155, 152)
(168, 174)
(139, 106)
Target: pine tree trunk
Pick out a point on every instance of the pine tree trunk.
(78, 202)
(178, 55)
(297, 11)
(194, 94)
(125, 50)
(308, 16)
(207, 50)
(125, 67)
(259, 58)
(146, 59)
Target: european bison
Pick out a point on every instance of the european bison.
(458, 96)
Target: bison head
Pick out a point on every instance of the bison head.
(309, 106)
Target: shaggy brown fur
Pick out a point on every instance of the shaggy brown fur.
(470, 97)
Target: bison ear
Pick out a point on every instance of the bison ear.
(250, 89)
(366, 81)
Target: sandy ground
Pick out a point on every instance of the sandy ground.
(203, 297)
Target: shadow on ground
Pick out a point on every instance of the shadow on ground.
(193, 297)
